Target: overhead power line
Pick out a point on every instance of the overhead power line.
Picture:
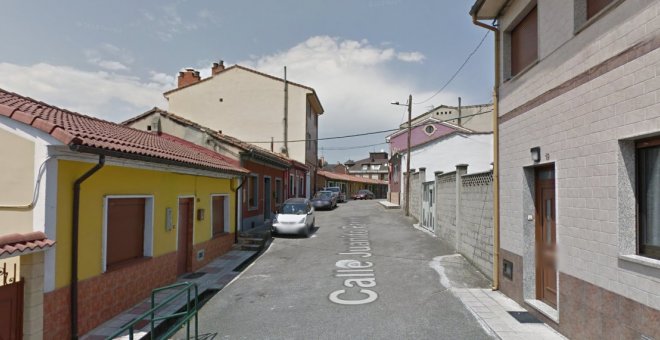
(350, 147)
(366, 133)
(457, 71)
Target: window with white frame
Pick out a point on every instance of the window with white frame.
(292, 186)
(219, 214)
(253, 191)
(278, 191)
(127, 230)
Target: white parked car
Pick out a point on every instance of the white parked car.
(295, 216)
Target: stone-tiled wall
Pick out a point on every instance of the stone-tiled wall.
(213, 248)
(476, 221)
(32, 272)
(445, 213)
(579, 127)
(104, 296)
(415, 194)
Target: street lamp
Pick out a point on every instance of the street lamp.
(409, 105)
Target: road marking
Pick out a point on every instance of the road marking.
(356, 274)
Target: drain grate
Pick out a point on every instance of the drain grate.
(195, 275)
(525, 317)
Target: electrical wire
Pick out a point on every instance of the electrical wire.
(350, 147)
(457, 71)
(368, 133)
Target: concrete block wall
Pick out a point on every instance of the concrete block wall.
(445, 213)
(415, 194)
(476, 221)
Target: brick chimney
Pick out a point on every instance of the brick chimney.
(187, 77)
(218, 67)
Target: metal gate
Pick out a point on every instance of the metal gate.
(428, 206)
(11, 304)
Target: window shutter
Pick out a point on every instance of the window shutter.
(524, 43)
(595, 6)
(125, 230)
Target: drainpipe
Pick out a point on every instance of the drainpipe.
(74, 244)
(496, 157)
(238, 206)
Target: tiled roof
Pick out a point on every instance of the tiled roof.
(75, 129)
(18, 244)
(349, 178)
(218, 135)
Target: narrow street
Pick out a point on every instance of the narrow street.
(285, 294)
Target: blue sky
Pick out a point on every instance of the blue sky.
(113, 59)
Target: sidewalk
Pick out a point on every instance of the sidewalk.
(495, 312)
(218, 273)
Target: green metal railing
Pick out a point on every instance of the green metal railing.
(183, 317)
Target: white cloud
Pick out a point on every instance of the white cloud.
(166, 22)
(101, 94)
(356, 81)
(410, 56)
(109, 57)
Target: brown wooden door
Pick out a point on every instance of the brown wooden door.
(11, 311)
(546, 237)
(184, 259)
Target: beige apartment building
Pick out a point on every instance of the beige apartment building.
(254, 107)
(579, 162)
(478, 118)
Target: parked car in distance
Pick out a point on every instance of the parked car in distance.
(324, 199)
(295, 216)
(341, 195)
(364, 194)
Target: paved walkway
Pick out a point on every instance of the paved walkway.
(219, 272)
(495, 311)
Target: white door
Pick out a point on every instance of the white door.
(428, 206)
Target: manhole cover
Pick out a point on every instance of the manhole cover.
(194, 275)
(525, 317)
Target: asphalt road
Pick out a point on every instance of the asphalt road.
(401, 292)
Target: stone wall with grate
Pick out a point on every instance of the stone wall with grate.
(445, 208)
(476, 220)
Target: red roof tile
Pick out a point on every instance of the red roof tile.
(18, 244)
(73, 128)
(245, 146)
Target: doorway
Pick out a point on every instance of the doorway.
(267, 198)
(428, 209)
(546, 236)
(11, 304)
(184, 235)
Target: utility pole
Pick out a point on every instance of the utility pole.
(409, 105)
(460, 114)
(286, 114)
(408, 156)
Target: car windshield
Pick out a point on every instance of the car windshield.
(363, 191)
(323, 194)
(332, 189)
(294, 209)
